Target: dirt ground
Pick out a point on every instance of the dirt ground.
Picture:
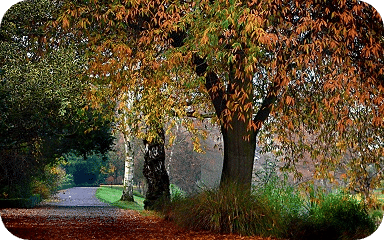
(96, 223)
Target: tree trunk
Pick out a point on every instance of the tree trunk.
(128, 172)
(238, 135)
(239, 155)
(155, 173)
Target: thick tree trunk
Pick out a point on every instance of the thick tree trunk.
(155, 173)
(238, 135)
(238, 155)
(128, 172)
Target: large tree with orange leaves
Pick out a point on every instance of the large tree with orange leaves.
(291, 66)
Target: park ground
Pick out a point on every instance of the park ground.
(77, 214)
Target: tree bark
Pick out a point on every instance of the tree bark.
(155, 173)
(129, 162)
(239, 139)
(128, 172)
(239, 155)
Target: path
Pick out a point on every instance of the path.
(78, 197)
(78, 214)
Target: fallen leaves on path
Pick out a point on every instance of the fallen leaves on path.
(97, 223)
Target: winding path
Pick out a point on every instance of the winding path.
(77, 214)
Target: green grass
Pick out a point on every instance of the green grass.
(113, 194)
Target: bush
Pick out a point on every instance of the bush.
(274, 208)
(85, 172)
(377, 216)
(30, 202)
(41, 188)
(226, 210)
(138, 194)
(48, 182)
(285, 199)
(67, 182)
(335, 216)
(176, 192)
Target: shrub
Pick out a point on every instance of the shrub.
(39, 187)
(176, 192)
(30, 202)
(335, 216)
(138, 194)
(67, 182)
(377, 216)
(49, 181)
(274, 208)
(226, 210)
(285, 199)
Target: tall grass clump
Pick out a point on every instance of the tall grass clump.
(176, 192)
(230, 209)
(284, 199)
(281, 196)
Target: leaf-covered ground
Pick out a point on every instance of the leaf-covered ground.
(96, 223)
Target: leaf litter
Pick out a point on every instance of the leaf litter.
(98, 223)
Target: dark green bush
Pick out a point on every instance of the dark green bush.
(377, 216)
(30, 202)
(138, 194)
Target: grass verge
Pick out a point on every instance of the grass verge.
(113, 194)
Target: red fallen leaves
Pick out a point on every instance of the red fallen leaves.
(97, 223)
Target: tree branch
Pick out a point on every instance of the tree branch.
(200, 115)
(212, 84)
(266, 107)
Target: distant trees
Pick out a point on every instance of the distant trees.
(86, 171)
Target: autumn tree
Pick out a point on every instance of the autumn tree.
(299, 57)
(286, 65)
(127, 56)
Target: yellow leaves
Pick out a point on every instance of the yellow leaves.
(341, 144)
(171, 138)
(197, 145)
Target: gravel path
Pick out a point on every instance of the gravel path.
(77, 197)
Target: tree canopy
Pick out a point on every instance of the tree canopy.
(299, 68)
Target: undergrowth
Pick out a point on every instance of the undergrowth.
(274, 208)
(226, 210)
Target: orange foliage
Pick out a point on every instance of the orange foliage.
(317, 66)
